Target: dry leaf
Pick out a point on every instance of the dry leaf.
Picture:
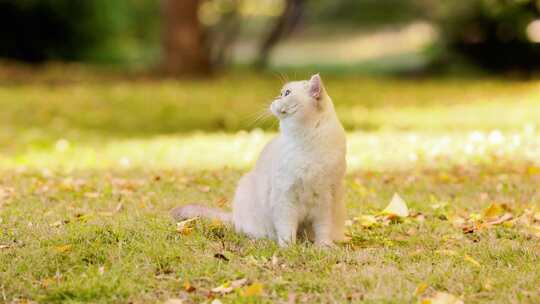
(493, 211)
(366, 221)
(254, 289)
(174, 301)
(184, 227)
(216, 301)
(505, 218)
(63, 248)
(58, 223)
(5, 246)
(216, 223)
(471, 260)
(188, 287)
(223, 288)
(47, 282)
(222, 201)
(228, 287)
(442, 298)
(118, 207)
(204, 189)
(420, 289)
(397, 207)
(239, 283)
(446, 252)
(91, 195)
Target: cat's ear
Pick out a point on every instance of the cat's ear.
(316, 86)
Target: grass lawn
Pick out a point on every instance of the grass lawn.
(91, 163)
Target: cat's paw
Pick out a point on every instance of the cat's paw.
(325, 244)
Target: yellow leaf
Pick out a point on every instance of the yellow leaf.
(533, 170)
(493, 211)
(185, 230)
(216, 223)
(184, 227)
(446, 252)
(188, 287)
(47, 282)
(420, 289)
(366, 221)
(471, 260)
(254, 289)
(63, 248)
(397, 207)
(443, 298)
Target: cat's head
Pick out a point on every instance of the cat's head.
(301, 101)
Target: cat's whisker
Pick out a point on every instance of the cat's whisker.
(279, 76)
(285, 77)
(259, 116)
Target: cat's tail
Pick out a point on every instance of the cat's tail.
(190, 211)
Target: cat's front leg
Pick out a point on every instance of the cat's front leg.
(286, 224)
(323, 223)
(285, 218)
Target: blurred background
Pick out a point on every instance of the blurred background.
(80, 73)
(199, 36)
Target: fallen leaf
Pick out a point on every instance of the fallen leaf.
(446, 252)
(216, 223)
(91, 194)
(366, 221)
(188, 287)
(47, 282)
(420, 289)
(493, 211)
(119, 207)
(58, 224)
(221, 256)
(239, 283)
(185, 230)
(63, 248)
(184, 227)
(216, 301)
(221, 201)
(253, 290)
(275, 261)
(505, 218)
(174, 301)
(487, 285)
(471, 260)
(223, 288)
(442, 298)
(204, 189)
(397, 207)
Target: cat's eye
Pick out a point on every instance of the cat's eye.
(287, 92)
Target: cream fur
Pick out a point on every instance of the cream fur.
(296, 187)
(298, 179)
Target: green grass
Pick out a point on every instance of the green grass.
(91, 163)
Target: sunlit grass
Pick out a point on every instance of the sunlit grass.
(367, 151)
(89, 168)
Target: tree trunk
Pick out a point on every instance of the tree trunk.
(184, 49)
(285, 24)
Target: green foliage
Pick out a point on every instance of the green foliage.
(490, 33)
(364, 12)
(74, 30)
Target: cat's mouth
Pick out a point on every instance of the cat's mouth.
(283, 112)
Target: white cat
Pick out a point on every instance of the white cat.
(296, 187)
